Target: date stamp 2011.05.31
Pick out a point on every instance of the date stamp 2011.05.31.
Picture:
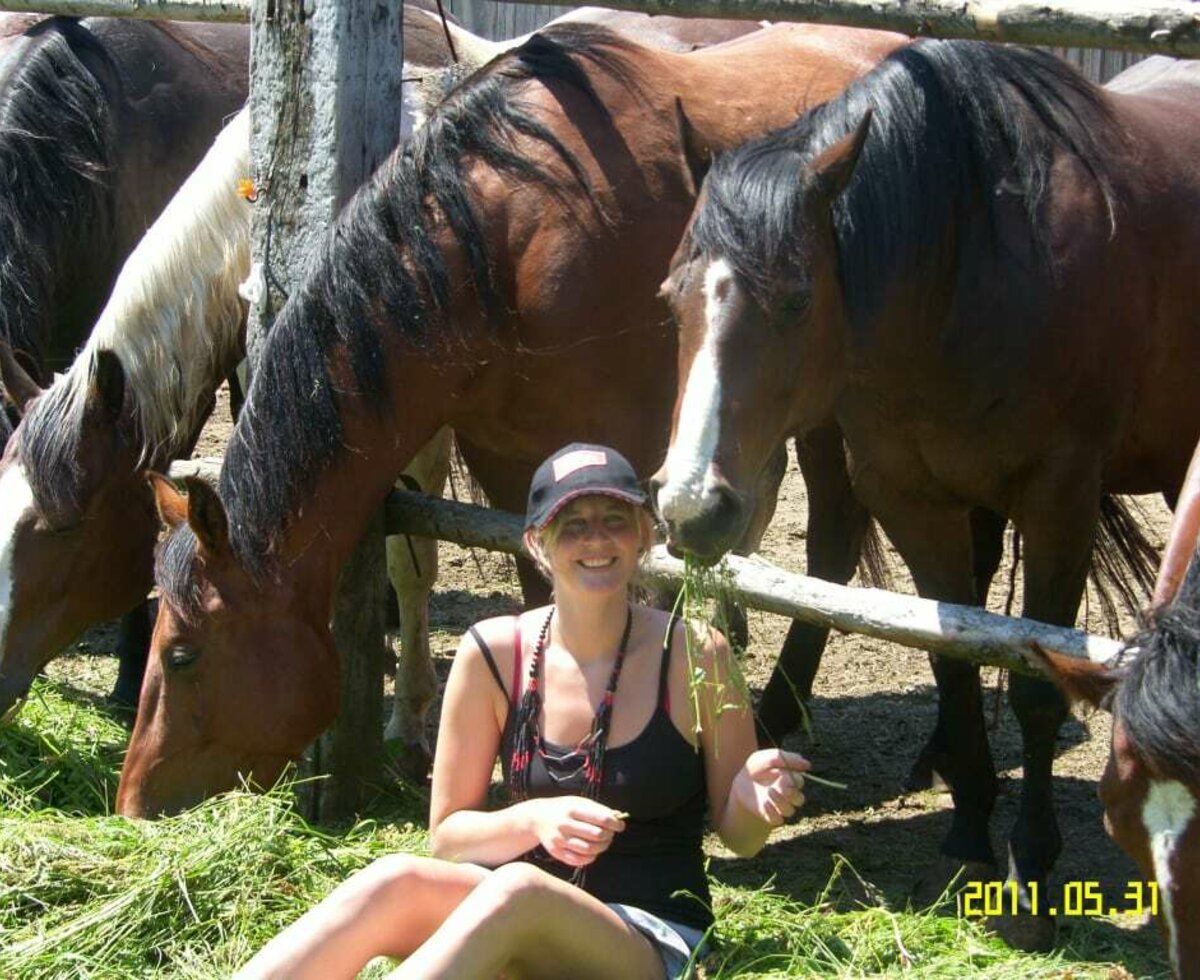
(1077, 898)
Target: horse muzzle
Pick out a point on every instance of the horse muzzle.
(702, 522)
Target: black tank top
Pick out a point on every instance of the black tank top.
(657, 862)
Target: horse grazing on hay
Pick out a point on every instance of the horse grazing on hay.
(139, 392)
(498, 276)
(1150, 788)
(100, 121)
(983, 266)
(78, 517)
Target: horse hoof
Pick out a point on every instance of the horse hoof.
(408, 762)
(1028, 933)
(946, 877)
(924, 776)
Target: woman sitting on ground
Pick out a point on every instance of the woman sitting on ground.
(595, 869)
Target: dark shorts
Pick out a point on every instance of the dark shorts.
(674, 942)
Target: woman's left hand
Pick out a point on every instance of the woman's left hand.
(770, 785)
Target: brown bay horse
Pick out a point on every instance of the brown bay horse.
(499, 276)
(77, 518)
(984, 267)
(77, 521)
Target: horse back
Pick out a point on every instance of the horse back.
(766, 79)
(171, 87)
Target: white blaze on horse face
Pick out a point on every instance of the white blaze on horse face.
(1166, 814)
(690, 458)
(16, 500)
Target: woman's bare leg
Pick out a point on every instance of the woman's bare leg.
(523, 922)
(387, 909)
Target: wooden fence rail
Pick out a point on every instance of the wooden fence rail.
(1149, 26)
(965, 632)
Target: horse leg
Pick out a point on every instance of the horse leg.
(937, 545)
(837, 524)
(133, 646)
(412, 568)
(987, 537)
(1058, 543)
(731, 616)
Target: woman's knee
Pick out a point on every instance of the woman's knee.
(390, 879)
(519, 888)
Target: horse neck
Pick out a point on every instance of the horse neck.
(331, 518)
(174, 318)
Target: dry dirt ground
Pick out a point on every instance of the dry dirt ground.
(874, 706)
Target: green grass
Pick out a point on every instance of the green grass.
(87, 894)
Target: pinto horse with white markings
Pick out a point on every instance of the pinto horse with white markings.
(80, 516)
(100, 121)
(1150, 788)
(984, 267)
(498, 277)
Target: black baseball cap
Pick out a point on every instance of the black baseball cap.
(579, 470)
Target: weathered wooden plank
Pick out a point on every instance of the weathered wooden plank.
(1151, 26)
(941, 627)
(325, 110)
(203, 10)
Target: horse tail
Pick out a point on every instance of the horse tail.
(875, 569)
(1124, 560)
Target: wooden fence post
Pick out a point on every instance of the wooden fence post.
(325, 110)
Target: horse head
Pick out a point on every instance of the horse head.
(754, 291)
(1151, 783)
(242, 673)
(75, 541)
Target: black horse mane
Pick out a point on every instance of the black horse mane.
(290, 428)
(56, 148)
(953, 123)
(1158, 699)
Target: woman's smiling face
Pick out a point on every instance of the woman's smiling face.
(594, 544)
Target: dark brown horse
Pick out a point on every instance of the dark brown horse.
(984, 267)
(499, 277)
(100, 121)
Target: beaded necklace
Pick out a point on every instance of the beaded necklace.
(528, 737)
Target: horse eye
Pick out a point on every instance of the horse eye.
(795, 306)
(181, 656)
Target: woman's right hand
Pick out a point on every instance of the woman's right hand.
(573, 829)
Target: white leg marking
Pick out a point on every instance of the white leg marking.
(689, 460)
(16, 499)
(1168, 810)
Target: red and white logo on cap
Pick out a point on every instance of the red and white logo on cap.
(568, 463)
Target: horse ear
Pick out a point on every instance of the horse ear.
(107, 390)
(1079, 680)
(172, 506)
(697, 155)
(19, 387)
(833, 167)
(206, 515)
